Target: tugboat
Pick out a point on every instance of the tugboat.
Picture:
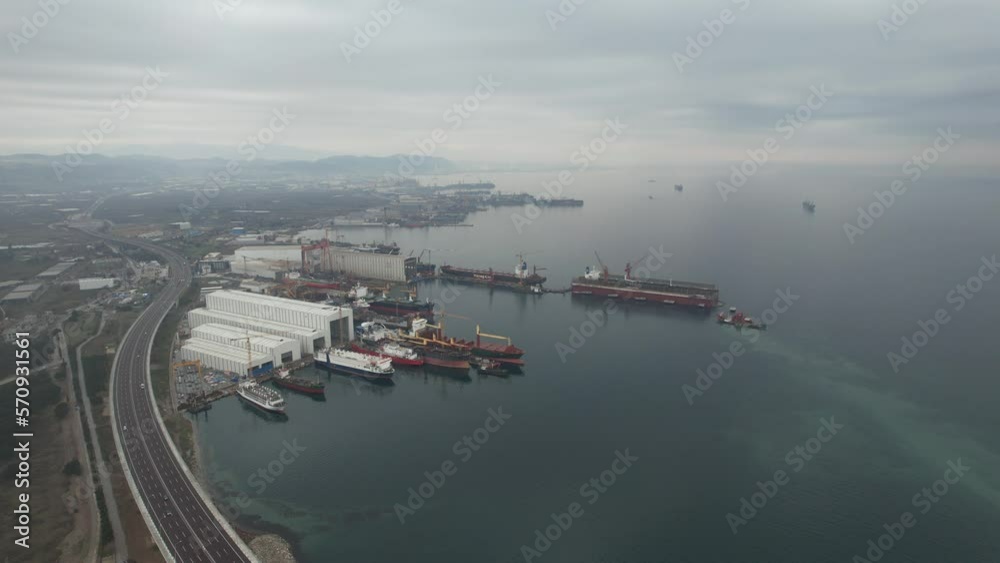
(302, 385)
(489, 367)
(739, 320)
(809, 205)
(372, 368)
(265, 399)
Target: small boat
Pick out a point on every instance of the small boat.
(809, 206)
(679, 187)
(739, 320)
(489, 367)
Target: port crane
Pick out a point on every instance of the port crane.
(479, 334)
(604, 269)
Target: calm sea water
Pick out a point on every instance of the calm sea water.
(621, 391)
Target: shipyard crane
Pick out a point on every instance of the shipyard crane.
(604, 269)
(249, 353)
(487, 335)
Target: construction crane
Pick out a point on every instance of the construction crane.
(604, 269)
(249, 353)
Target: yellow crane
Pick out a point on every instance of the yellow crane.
(487, 335)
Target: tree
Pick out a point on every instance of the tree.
(73, 468)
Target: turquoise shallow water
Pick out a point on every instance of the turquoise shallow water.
(622, 390)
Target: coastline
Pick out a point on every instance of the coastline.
(267, 540)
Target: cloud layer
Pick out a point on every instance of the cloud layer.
(604, 60)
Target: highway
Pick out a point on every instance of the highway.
(180, 520)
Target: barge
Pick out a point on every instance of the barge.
(599, 283)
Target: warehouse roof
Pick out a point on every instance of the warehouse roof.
(283, 302)
(240, 335)
(225, 351)
(266, 325)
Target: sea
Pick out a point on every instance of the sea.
(862, 425)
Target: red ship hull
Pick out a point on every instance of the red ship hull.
(309, 390)
(395, 361)
(447, 363)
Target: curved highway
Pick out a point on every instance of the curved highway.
(186, 527)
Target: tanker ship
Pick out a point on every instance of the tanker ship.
(598, 282)
(402, 307)
(520, 277)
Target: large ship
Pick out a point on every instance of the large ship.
(562, 202)
(376, 369)
(261, 397)
(300, 384)
(402, 307)
(598, 282)
(520, 277)
(398, 355)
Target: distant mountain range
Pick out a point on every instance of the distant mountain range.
(38, 172)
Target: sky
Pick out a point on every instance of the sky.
(217, 70)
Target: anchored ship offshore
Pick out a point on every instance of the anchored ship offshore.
(598, 282)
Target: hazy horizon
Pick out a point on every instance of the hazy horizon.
(554, 75)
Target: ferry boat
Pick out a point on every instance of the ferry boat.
(261, 397)
(376, 369)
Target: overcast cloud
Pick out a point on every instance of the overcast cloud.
(557, 87)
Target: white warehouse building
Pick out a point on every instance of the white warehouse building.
(282, 350)
(335, 323)
(225, 357)
(332, 325)
(307, 338)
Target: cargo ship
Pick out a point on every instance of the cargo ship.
(520, 277)
(398, 355)
(302, 385)
(562, 202)
(265, 399)
(430, 339)
(452, 360)
(373, 368)
(599, 283)
(402, 307)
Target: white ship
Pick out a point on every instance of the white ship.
(261, 397)
(373, 368)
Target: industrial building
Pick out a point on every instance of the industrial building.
(281, 350)
(88, 284)
(313, 325)
(308, 338)
(225, 357)
(57, 270)
(368, 265)
(28, 292)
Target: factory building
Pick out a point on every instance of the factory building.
(389, 267)
(281, 350)
(308, 339)
(225, 357)
(313, 325)
(87, 284)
